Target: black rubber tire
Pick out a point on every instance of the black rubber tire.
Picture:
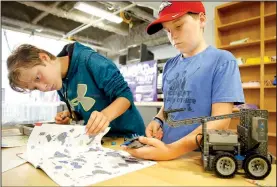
(218, 171)
(250, 173)
(246, 156)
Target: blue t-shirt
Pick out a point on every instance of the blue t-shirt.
(195, 83)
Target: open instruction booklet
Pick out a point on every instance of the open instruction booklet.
(72, 158)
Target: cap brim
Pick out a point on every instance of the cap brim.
(156, 25)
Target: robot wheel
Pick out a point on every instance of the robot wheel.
(257, 166)
(225, 165)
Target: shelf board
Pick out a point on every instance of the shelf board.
(270, 63)
(251, 88)
(248, 65)
(270, 134)
(270, 40)
(228, 5)
(243, 23)
(255, 65)
(269, 87)
(270, 16)
(271, 111)
(236, 46)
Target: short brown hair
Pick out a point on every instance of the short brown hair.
(24, 56)
(194, 16)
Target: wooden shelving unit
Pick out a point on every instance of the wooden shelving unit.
(238, 24)
(258, 23)
(237, 46)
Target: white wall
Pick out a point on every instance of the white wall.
(209, 33)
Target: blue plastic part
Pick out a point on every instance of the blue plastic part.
(113, 143)
(239, 157)
(128, 142)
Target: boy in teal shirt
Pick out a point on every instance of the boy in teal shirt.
(91, 84)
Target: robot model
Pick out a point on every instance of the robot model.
(226, 152)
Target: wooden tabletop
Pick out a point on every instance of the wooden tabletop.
(185, 171)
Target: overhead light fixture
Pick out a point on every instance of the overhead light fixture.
(98, 12)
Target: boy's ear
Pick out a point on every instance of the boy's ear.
(44, 57)
(203, 19)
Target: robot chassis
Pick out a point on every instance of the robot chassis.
(226, 152)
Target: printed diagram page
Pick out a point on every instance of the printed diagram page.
(71, 158)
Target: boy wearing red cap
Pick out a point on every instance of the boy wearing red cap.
(202, 80)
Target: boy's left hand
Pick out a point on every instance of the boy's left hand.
(97, 123)
(154, 150)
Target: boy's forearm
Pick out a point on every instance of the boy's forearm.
(160, 113)
(116, 108)
(188, 143)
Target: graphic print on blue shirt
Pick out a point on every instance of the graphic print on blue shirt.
(195, 83)
(177, 92)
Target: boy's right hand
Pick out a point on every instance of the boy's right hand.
(154, 130)
(63, 117)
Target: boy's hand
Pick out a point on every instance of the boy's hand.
(154, 150)
(154, 130)
(97, 123)
(63, 117)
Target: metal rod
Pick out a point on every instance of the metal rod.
(44, 14)
(26, 25)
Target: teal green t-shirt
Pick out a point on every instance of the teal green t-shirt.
(92, 83)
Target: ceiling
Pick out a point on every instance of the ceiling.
(62, 21)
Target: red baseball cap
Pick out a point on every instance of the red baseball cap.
(171, 10)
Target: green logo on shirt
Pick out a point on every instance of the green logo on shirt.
(86, 102)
